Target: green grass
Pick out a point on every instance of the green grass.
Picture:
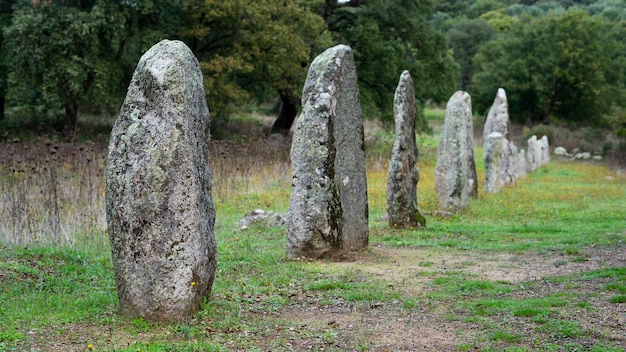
(49, 286)
(263, 301)
(434, 114)
(541, 212)
(505, 336)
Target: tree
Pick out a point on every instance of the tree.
(483, 6)
(254, 50)
(71, 53)
(465, 39)
(570, 67)
(499, 21)
(50, 47)
(454, 8)
(6, 9)
(388, 37)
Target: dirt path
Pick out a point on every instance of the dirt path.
(442, 327)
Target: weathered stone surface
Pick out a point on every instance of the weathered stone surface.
(498, 116)
(545, 150)
(560, 151)
(533, 154)
(455, 172)
(328, 207)
(260, 216)
(493, 161)
(582, 156)
(538, 153)
(403, 174)
(498, 121)
(508, 174)
(160, 211)
(520, 164)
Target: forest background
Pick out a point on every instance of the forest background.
(562, 62)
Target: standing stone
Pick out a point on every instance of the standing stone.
(533, 154)
(498, 116)
(520, 165)
(508, 174)
(159, 207)
(498, 121)
(403, 174)
(328, 211)
(455, 172)
(493, 161)
(545, 150)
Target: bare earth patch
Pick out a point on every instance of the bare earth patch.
(305, 323)
(410, 268)
(425, 327)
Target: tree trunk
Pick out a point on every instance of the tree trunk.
(286, 115)
(329, 8)
(71, 117)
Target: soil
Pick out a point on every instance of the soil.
(428, 324)
(428, 327)
(307, 324)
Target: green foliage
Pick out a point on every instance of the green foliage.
(499, 20)
(480, 7)
(66, 55)
(465, 38)
(252, 49)
(569, 67)
(6, 10)
(73, 55)
(561, 62)
(56, 55)
(388, 37)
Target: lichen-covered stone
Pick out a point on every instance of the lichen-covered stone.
(520, 165)
(403, 174)
(560, 151)
(498, 116)
(328, 211)
(498, 121)
(545, 150)
(160, 211)
(534, 154)
(493, 161)
(455, 172)
(508, 174)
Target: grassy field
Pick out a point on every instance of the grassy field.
(540, 266)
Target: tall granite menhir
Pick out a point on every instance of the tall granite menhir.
(455, 172)
(538, 153)
(328, 207)
(403, 175)
(498, 121)
(159, 206)
(492, 155)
